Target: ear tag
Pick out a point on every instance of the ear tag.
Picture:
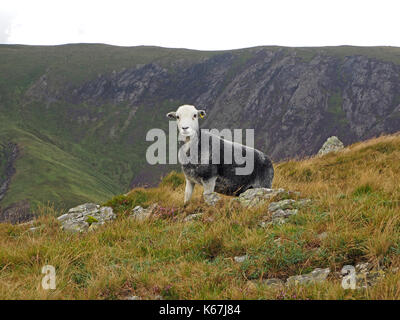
(201, 116)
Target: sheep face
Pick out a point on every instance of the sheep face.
(187, 120)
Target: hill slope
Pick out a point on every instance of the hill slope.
(355, 205)
(88, 107)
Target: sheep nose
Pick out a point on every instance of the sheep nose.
(184, 128)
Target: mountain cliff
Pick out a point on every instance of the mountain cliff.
(80, 113)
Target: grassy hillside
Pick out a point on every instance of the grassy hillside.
(356, 201)
(46, 173)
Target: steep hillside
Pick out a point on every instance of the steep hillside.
(93, 104)
(35, 168)
(353, 218)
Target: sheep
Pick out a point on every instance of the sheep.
(197, 154)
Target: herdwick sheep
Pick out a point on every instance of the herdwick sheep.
(219, 177)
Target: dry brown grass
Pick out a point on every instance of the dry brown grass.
(356, 200)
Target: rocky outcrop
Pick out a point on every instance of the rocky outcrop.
(332, 144)
(86, 217)
(240, 259)
(279, 210)
(364, 276)
(211, 198)
(141, 214)
(193, 217)
(316, 276)
(257, 196)
(17, 212)
(8, 155)
(283, 209)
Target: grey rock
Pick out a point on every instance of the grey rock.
(80, 218)
(141, 214)
(274, 222)
(281, 205)
(316, 276)
(284, 213)
(257, 196)
(369, 279)
(365, 275)
(77, 226)
(302, 203)
(33, 229)
(332, 144)
(363, 267)
(211, 198)
(86, 208)
(63, 217)
(274, 282)
(133, 298)
(288, 204)
(240, 259)
(192, 217)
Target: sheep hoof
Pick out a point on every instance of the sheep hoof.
(211, 198)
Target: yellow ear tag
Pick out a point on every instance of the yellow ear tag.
(201, 116)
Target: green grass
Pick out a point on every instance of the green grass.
(46, 173)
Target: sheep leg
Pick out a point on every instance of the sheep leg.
(210, 197)
(209, 185)
(188, 190)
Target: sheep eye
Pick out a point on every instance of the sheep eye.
(177, 117)
(195, 115)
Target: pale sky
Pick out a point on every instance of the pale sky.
(201, 24)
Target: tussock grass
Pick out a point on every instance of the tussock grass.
(356, 201)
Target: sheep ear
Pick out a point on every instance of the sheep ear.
(201, 113)
(171, 115)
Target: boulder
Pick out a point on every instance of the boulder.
(274, 282)
(258, 196)
(211, 198)
(281, 205)
(316, 276)
(141, 214)
(281, 210)
(193, 217)
(80, 218)
(284, 213)
(332, 144)
(240, 259)
(366, 276)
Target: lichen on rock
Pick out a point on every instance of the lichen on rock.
(332, 144)
(85, 217)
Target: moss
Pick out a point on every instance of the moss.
(91, 220)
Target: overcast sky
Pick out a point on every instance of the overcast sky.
(202, 24)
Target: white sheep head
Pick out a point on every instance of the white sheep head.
(187, 119)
